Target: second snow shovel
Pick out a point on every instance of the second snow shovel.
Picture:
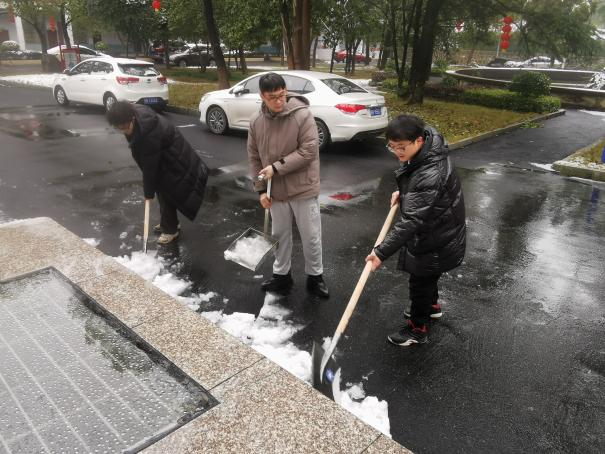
(146, 226)
(323, 365)
(252, 247)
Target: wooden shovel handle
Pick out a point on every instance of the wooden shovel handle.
(266, 228)
(344, 321)
(146, 225)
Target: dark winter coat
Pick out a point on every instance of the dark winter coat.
(431, 234)
(170, 166)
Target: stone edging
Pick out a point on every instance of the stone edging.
(496, 132)
(568, 169)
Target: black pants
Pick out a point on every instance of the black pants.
(169, 220)
(423, 293)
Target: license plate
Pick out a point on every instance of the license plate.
(375, 111)
(151, 100)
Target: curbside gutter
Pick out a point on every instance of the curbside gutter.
(496, 132)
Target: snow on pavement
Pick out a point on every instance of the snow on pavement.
(270, 334)
(39, 80)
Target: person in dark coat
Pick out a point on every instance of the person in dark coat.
(431, 234)
(171, 167)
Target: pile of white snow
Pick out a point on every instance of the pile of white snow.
(39, 80)
(270, 334)
(249, 251)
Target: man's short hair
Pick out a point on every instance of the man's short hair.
(271, 82)
(405, 127)
(120, 113)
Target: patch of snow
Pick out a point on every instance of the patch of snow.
(123, 235)
(249, 251)
(370, 409)
(547, 167)
(39, 80)
(92, 241)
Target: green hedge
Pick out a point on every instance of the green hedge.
(504, 99)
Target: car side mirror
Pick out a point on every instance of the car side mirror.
(239, 90)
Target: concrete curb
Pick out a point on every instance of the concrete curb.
(12, 83)
(182, 111)
(570, 169)
(496, 132)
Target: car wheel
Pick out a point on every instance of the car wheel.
(183, 63)
(61, 97)
(324, 134)
(109, 100)
(216, 119)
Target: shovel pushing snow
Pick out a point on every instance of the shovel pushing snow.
(252, 247)
(323, 365)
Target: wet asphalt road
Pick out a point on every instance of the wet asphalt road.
(517, 364)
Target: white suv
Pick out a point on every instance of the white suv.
(105, 80)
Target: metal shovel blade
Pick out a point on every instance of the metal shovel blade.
(323, 378)
(250, 249)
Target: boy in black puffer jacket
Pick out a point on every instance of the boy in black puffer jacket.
(431, 234)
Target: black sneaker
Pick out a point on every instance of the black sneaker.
(436, 312)
(409, 335)
(317, 286)
(278, 283)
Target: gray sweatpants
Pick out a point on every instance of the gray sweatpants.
(308, 221)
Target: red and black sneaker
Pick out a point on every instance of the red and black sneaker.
(436, 312)
(409, 335)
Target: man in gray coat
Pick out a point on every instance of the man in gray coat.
(283, 146)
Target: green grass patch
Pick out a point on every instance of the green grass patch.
(188, 95)
(589, 154)
(454, 120)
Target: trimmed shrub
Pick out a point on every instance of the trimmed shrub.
(381, 76)
(9, 46)
(101, 46)
(504, 99)
(531, 84)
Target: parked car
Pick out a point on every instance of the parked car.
(534, 62)
(342, 109)
(340, 57)
(196, 55)
(497, 62)
(104, 80)
(85, 52)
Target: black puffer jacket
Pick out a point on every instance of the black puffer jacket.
(170, 166)
(431, 234)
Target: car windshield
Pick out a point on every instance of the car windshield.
(342, 86)
(138, 69)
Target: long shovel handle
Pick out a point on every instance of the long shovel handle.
(266, 228)
(146, 226)
(344, 321)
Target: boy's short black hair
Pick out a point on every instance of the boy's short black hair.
(271, 82)
(405, 127)
(120, 113)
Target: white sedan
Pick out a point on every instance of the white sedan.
(105, 80)
(342, 109)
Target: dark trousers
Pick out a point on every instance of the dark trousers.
(423, 293)
(168, 220)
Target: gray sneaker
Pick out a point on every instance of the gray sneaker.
(158, 228)
(166, 238)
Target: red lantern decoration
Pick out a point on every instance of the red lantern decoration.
(505, 37)
(508, 20)
(156, 5)
(52, 25)
(507, 28)
(504, 45)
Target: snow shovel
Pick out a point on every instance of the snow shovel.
(252, 247)
(323, 365)
(146, 226)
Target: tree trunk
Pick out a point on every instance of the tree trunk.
(423, 53)
(315, 50)
(386, 48)
(242, 58)
(406, 42)
(215, 41)
(306, 34)
(285, 20)
(66, 39)
(332, 58)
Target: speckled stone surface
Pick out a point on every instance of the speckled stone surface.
(205, 352)
(262, 408)
(276, 413)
